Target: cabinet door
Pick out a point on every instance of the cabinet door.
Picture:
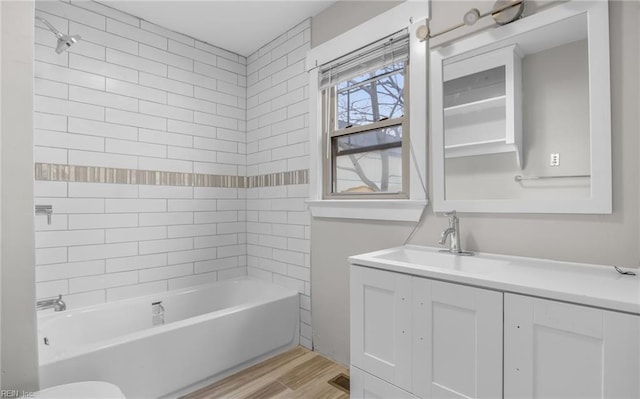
(381, 324)
(457, 341)
(366, 386)
(559, 350)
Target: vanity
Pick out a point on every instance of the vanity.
(426, 324)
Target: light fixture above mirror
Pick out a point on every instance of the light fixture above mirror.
(521, 115)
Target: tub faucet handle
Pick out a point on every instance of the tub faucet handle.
(45, 210)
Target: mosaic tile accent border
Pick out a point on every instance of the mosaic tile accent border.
(278, 179)
(99, 174)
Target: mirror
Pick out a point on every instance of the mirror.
(521, 115)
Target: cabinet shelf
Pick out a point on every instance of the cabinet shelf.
(475, 106)
(474, 143)
(490, 121)
(479, 148)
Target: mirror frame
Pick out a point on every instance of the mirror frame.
(600, 202)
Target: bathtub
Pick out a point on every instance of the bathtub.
(210, 331)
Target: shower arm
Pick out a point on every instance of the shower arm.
(51, 27)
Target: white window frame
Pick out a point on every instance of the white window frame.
(330, 110)
(408, 15)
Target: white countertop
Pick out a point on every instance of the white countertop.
(593, 285)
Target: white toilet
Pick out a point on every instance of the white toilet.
(81, 390)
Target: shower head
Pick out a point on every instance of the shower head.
(64, 41)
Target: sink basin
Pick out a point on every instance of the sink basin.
(595, 285)
(431, 258)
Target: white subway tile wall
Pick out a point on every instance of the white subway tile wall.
(136, 96)
(277, 140)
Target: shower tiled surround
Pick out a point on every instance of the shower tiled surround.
(169, 162)
(278, 140)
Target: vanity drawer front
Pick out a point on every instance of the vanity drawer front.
(560, 350)
(367, 386)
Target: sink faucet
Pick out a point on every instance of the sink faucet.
(453, 233)
(57, 304)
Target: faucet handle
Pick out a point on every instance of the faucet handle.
(450, 213)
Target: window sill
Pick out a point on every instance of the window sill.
(392, 210)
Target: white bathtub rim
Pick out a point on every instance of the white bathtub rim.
(111, 342)
(155, 296)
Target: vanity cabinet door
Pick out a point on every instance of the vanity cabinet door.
(559, 350)
(457, 341)
(381, 324)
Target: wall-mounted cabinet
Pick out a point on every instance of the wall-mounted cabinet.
(482, 104)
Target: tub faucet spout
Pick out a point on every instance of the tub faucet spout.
(57, 304)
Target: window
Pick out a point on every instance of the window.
(365, 122)
(368, 139)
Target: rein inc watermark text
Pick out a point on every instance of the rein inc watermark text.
(15, 393)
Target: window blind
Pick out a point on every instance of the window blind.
(390, 50)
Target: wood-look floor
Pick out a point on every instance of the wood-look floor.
(298, 373)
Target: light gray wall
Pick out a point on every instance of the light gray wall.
(19, 350)
(343, 16)
(332, 241)
(604, 239)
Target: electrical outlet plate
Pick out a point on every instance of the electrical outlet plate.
(554, 159)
